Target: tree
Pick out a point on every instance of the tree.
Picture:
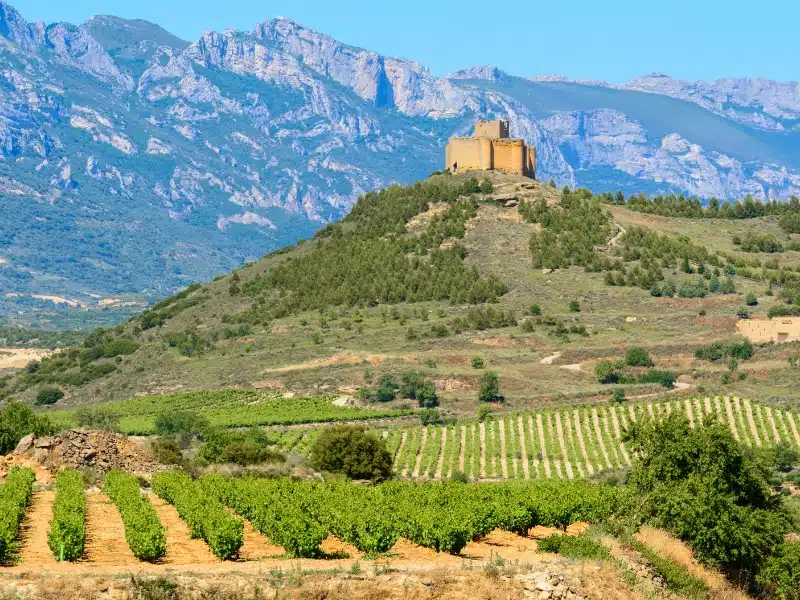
(490, 387)
(638, 357)
(429, 416)
(785, 457)
(706, 488)
(184, 424)
(606, 372)
(386, 388)
(48, 395)
(98, 419)
(484, 410)
(781, 573)
(352, 452)
(17, 421)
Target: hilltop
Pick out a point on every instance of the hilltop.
(481, 270)
(137, 162)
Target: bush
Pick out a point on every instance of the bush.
(67, 534)
(386, 389)
(429, 416)
(751, 300)
(638, 357)
(47, 396)
(606, 372)
(535, 310)
(352, 452)
(167, 452)
(202, 512)
(459, 477)
(490, 388)
(414, 387)
(484, 411)
(97, 419)
(143, 530)
(785, 457)
(578, 547)
(618, 395)
(780, 576)
(17, 421)
(574, 306)
(743, 312)
(665, 378)
(477, 363)
(183, 423)
(240, 447)
(119, 347)
(249, 453)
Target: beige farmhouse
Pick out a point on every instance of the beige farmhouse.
(779, 329)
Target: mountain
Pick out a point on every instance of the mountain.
(134, 162)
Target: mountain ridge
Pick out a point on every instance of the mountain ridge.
(219, 150)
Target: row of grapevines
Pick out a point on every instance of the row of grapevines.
(15, 495)
(67, 534)
(143, 529)
(442, 516)
(202, 512)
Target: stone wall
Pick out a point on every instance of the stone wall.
(779, 329)
(491, 129)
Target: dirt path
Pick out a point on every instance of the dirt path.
(771, 421)
(105, 533)
(581, 443)
(33, 530)
(256, 546)
(463, 452)
(793, 426)
(731, 419)
(503, 459)
(689, 413)
(571, 437)
(563, 445)
(440, 463)
(400, 447)
(720, 413)
(523, 447)
(534, 436)
(548, 360)
(651, 411)
(752, 422)
(420, 452)
(181, 550)
(741, 422)
(482, 430)
(632, 412)
(545, 459)
(599, 434)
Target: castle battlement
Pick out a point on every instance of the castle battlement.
(490, 149)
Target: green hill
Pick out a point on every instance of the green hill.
(429, 277)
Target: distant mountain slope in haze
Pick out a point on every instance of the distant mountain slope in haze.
(134, 162)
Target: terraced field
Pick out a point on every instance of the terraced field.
(569, 442)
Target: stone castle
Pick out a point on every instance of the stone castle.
(490, 149)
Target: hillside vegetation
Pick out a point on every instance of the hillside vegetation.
(543, 287)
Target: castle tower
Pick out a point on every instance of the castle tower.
(490, 149)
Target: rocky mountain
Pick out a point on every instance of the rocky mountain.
(133, 162)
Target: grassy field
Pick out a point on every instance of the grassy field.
(339, 350)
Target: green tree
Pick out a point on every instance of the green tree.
(606, 372)
(352, 452)
(780, 576)
(702, 485)
(17, 421)
(477, 362)
(638, 357)
(618, 396)
(490, 388)
(48, 395)
(785, 457)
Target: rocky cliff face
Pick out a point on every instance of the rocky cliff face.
(135, 162)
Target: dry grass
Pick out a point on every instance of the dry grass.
(673, 549)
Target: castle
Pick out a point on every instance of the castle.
(489, 149)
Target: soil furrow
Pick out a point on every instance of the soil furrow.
(181, 549)
(440, 464)
(562, 444)
(399, 452)
(418, 463)
(601, 443)
(581, 444)
(463, 448)
(523, 447)
(482, 429)
(731, 419)
(33, 531)
(771, 422)
(542, 446)
(105, 533)
(503, 460)
(752, 422)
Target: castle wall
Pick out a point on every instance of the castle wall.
(491, 129)
(779, 329)
(490, 149)
(466, 152)
(509, 156)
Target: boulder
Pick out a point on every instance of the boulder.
(25, 444)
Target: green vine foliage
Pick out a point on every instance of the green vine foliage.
(15, 495)
(67, 534)
(144, 532)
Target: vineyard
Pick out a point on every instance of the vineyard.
(297, 517)
(569, 442)
(230, 408)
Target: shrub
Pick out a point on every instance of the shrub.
(414, 387)
(781, 573)
(618, 395)
(665, 378)
(105, 420)
(785, 457)
(459, 477)
(490, 387)
(574, 306)
(183, 423)
(119, 347)
(535, 310)
(352, 452)
(49, 395)
(17, 421)
(484, 411)
(386, 389)
(67, 534)
(578, 547)
(429, 416)
(743, 312)
(477, 363)
(241, 447)
(751, 300)
(249, 453)
(606, 372)
(638, 357)
(167, 452)
(143, 530)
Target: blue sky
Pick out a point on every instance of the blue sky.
(613, 40)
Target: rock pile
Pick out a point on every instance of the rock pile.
(547, 586)
(102, 450)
